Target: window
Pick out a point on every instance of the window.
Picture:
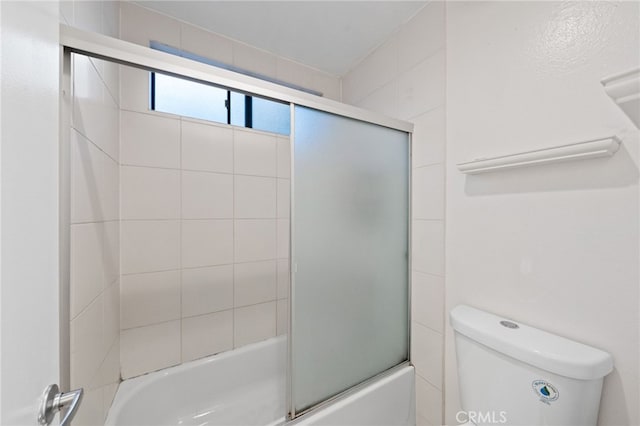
(178, 96)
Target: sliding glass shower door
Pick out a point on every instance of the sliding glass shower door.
(350, 248)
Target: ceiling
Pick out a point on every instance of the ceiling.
(332, 36)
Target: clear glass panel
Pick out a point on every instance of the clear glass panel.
(271, 116)
(350, 253)
(183, 97)
(237, 109)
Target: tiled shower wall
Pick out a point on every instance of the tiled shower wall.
(405, 78)
(205, 211)
(204, 238)
(94, 228)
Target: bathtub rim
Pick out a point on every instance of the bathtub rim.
(129, 387)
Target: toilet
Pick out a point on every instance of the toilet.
(513, 374)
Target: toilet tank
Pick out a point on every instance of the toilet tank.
(513, 374)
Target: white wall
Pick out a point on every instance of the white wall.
(405, 78)
(205, 225)
(556, 246)
(95, 215)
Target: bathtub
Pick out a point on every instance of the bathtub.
(246, 386)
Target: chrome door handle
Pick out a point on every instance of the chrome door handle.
(53, 401)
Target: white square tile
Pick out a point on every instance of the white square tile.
(207, 335)
(422, 88)
(149, 246)
(422, 421)
(255, 197)
(255, 240)
(255, 60)
(207, 242)
(284, 197)
(207, 195)
(111, 251)
(150, 193)
(207, 147)
(140, 25)
(428, 401)
(135, 86)
(207, 44)
(283, 238)
(383, 100)
(111, 316)
(422, 36)
(427, 237)
(429, 138)
(95, 113)
(254, 282)
(103, 125)
(427, 188)
(109, 194)
(86, 344)
(110, 137)
(149, 298)
(66, 12)
(284, 158)
(283, 274)
(109, 393)
(427, 300)
(254, 153)
(91, 411)
(85, 178)
(282, 317)
(206, 290)
(329, 85)
(149, 140)
(427, 353)
(111, 18)
(254, 323)
(294, 73)
(375, 71)
(87, 265)
(110, 72)
(110, 368)
(149, 348)
(88, 15)
(94, 182)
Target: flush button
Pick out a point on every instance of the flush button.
(509, 324)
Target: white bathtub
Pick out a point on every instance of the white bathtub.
(246, 386)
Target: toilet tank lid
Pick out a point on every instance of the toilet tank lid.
(530, 345)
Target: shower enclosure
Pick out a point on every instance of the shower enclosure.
(348, 246)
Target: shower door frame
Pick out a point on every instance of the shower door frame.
(73, 40)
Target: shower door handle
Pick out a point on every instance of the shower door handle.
(53, 401)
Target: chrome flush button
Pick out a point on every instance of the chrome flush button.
(509, 324)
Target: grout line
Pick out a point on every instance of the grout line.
(180, 233)
(202, 267)
(428, 381)
(427, 111)
(171, 116)
(429, 327)
(233, 244)
(178, 169)
(430, 165)
(84, 136)
(89, 222)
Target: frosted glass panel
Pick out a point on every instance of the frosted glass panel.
(350, 251)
